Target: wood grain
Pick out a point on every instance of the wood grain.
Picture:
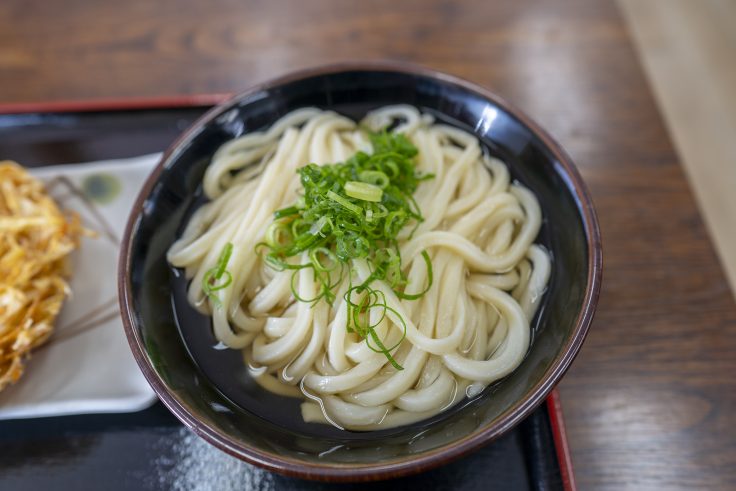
(651, 400)
(689, 52)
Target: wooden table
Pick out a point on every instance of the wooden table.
(651, 400)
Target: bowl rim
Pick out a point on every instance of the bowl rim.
(403, 465)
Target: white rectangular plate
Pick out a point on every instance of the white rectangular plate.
(86, 366)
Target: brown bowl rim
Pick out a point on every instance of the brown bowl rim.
(409, 464)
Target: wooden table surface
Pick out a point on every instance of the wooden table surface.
(651, 400)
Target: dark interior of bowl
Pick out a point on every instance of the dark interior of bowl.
(214, 384)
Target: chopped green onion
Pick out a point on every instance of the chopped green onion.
(347, 204)
(285, 212)
(333, 228)
(213, 275)
(430, 280)
(318, 264)
(319, 225)
(363, 190)
(277, 234)
(374, 177)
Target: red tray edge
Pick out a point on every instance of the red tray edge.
(133, 103)
(559, 434)
(554, 406)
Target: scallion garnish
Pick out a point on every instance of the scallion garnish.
(211, 281)
(343, 201)
(363, 191)
(350, 210)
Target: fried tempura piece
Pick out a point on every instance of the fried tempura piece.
(35, 240)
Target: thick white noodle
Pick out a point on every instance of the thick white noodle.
(470, 329)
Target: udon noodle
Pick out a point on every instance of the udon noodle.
(471, 328)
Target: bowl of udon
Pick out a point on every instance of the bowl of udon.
(359, 271)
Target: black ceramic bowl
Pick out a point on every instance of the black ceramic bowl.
(209, 389)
